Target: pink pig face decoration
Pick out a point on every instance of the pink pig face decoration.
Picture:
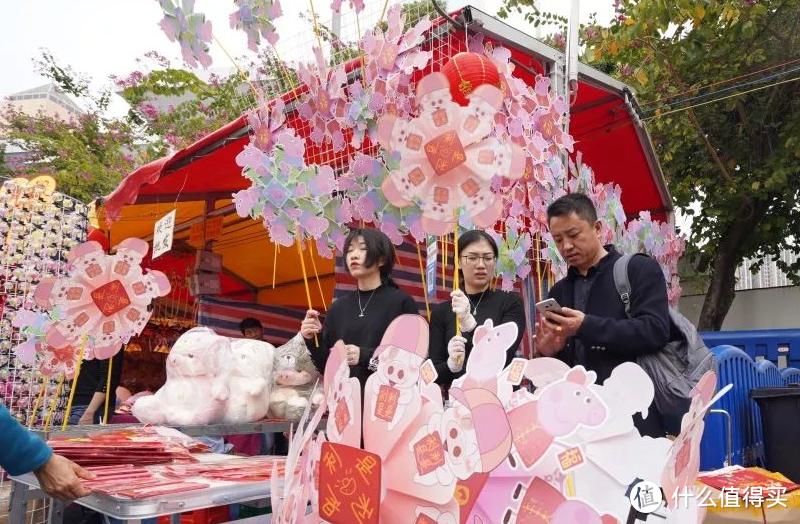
(104, 298)
(448, 156)
(569, 403)
(488, 355)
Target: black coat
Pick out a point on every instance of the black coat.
(608, 336)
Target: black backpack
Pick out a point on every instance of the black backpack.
(677, 368)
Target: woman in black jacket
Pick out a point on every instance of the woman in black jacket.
(360, 318)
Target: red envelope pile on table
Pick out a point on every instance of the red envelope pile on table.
(136, 446)
(251, 469)
(135, 482)
(139, 482)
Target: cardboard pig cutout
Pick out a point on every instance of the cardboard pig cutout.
(343, 399)
(565, 453)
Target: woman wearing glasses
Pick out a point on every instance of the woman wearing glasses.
(476, 303)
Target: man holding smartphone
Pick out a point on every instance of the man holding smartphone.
(591, 327)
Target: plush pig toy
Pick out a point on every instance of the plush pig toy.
(295, 381)
(194, 368)
(246, 389)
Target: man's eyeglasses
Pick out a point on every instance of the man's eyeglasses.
(473, 260)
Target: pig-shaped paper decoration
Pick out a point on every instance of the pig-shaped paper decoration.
(247, 386)
(448, 157)
(488, 358)
(194, 368)
(296, 381)
(104, 299)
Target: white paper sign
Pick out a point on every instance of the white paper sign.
(162, 234)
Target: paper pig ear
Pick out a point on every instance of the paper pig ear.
(135, 244)
(161, 281)
(84, 249)
(483, 330)
(577, 376)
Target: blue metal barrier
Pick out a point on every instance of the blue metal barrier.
(769, 376)
(765, 343)
(790, 376)
(733, 367)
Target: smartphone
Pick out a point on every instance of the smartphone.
(548, 305)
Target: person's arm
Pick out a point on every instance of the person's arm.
(20, 450)
(320, 346)
(647, 329)
(547, 340)
(98, 399)
(513, 311)
(437, 344)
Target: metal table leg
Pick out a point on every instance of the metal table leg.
(56, 513)
(18, 503)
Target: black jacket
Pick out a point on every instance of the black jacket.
(342, 322)
(608, 336)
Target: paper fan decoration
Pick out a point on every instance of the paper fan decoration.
(294, 199)
(255, 18)
(391, 51)
(103, 299)
(447, 157)
(191, 30)
(325, 105)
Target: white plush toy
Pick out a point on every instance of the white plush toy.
(296, 381)
(246, 390)
(195, 366)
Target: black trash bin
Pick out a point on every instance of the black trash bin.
(780, 421)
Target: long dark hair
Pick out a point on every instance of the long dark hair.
(379, 247)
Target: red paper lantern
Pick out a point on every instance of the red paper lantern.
(466, 71)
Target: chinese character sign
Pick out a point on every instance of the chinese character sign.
(349, 485)
(162, 234)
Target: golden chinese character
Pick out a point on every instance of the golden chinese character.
(331, 460)
(365, 467)
(362, 508)
(331, 504)
(570, 458)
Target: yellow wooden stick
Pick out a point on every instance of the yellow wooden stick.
(74, 381)
(455, 272)
(274, 262)
(316, 27)
(444, 262)
(38, 403)
(108, 388)
(316, 275)
(539, 275)
(55, 401)
(305, 277)
(424, 284)
(361, 56)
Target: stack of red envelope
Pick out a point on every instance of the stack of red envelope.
(252, 469)
(135, 482)
(139, 482)
(136, 446)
